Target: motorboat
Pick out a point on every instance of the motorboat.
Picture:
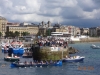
(11, 59)
(73, 59)
(95, 47)
(35, 64)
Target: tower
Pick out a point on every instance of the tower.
(49, 24)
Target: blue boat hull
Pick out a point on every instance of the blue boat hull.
(4, 51)
(18, 51)
(16, 65)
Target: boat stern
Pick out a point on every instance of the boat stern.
(13, 65)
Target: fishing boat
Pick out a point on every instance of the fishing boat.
(34, 64)
(16, 46)
(74, 59)
(95, 47)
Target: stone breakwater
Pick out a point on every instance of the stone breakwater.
(53, 55)
(56, 55)
(91, 39)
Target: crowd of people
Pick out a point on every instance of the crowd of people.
(52, 42)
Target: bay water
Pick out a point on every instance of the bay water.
(90, 65)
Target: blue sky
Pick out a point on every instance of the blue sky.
(82, 13)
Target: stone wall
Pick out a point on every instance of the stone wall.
(47, 54)
(90, 39)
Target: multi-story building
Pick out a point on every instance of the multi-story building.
(3, 23)
(98, 32)
(60, 28)
(45, 28)
(73, 30)
(32, 29)
(56, 28)
(77, 31)
(94, 31)
(84, 31)
(67, 28)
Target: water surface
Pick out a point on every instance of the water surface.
(92, 59)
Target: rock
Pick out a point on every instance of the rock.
(72, 50)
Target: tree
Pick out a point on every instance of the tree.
(25, 33)
(6, 34)
(38, 34)
(11, 34)
(48, 32)
(17, 34)
(0, 34)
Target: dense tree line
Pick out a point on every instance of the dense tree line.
(15, 34)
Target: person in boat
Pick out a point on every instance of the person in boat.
(33, 63)
(30, 62)
(41, 62)
(66, 56)
(25, 62)
(74, 57)
(46, 62)
(51, 61)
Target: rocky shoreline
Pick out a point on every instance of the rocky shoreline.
(72, 50)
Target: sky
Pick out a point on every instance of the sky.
(81, 13)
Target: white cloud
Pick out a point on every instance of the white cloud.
(69, 3)
(44, 10)
(92, 15)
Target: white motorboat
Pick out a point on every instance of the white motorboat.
(74, 59)
(12, 58)
(95, 47)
